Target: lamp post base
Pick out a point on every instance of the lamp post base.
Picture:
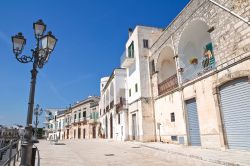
(26, 147)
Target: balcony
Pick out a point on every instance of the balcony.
(92, 121)
(107, 108)
(111, 105)
(81, 121)
(126, 61)
(121, 105)
(168, 85)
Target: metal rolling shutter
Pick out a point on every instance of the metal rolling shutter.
(193, 123)
(235, 104)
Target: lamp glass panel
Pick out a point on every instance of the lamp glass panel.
(51, 43)
(18, 44)
(44, 42)
(39, 29)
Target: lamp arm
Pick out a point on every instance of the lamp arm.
(24, 58)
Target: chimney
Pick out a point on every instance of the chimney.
(130, 31)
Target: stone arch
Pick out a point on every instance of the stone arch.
(177, 38)
(216, 85)
(229, 77)
(165, 64)
(195, 49)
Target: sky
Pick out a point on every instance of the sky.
(91, 38)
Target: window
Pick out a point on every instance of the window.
(75, 116)
(79, 116)
(131, 50)
(119, 118)
(136, 88)
(129, 92)
(100, 112)
(84, 114)
(174, 138)
(172, 117)
(145, 43)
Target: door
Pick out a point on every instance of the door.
(111, 126)
(94, 131)
(106, 127)
(84, 132)
(79, 133)
(67, 133)
(193, 123)
(235, 109)
(134, 131)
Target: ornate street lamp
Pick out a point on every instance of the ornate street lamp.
(37, 112)
(45, 44)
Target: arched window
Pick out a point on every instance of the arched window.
(195, 50)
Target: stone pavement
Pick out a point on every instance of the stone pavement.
(101, 152)
(108, 152)
(225, 157)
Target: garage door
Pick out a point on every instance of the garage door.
(235, 105)
(193, 123)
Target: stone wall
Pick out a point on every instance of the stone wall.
(231, 42)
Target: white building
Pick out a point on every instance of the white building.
(113, 106)
(138, 88)
(54, 125)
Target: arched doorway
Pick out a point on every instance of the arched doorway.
(84, 133)
(94, 131)
(167, 73)
(106, 127)
(111, 126)
(195, 50)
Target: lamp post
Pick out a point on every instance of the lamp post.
(45, 44)
(37, 112)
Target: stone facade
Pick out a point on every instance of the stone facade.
(205, 46)
(230, 38)
(113, 106)
(79, 121)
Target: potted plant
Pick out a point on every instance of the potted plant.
(193, 61)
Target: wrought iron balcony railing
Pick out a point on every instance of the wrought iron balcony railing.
(123, 104)
(111, 105)
(168, 85)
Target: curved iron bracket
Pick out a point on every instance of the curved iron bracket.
(24, 58)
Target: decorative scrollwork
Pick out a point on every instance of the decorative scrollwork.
(24, 58)
(42, 58)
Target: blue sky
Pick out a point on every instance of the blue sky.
(91, 38)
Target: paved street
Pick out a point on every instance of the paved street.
(107, 152)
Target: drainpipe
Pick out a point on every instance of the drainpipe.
(230, 11)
